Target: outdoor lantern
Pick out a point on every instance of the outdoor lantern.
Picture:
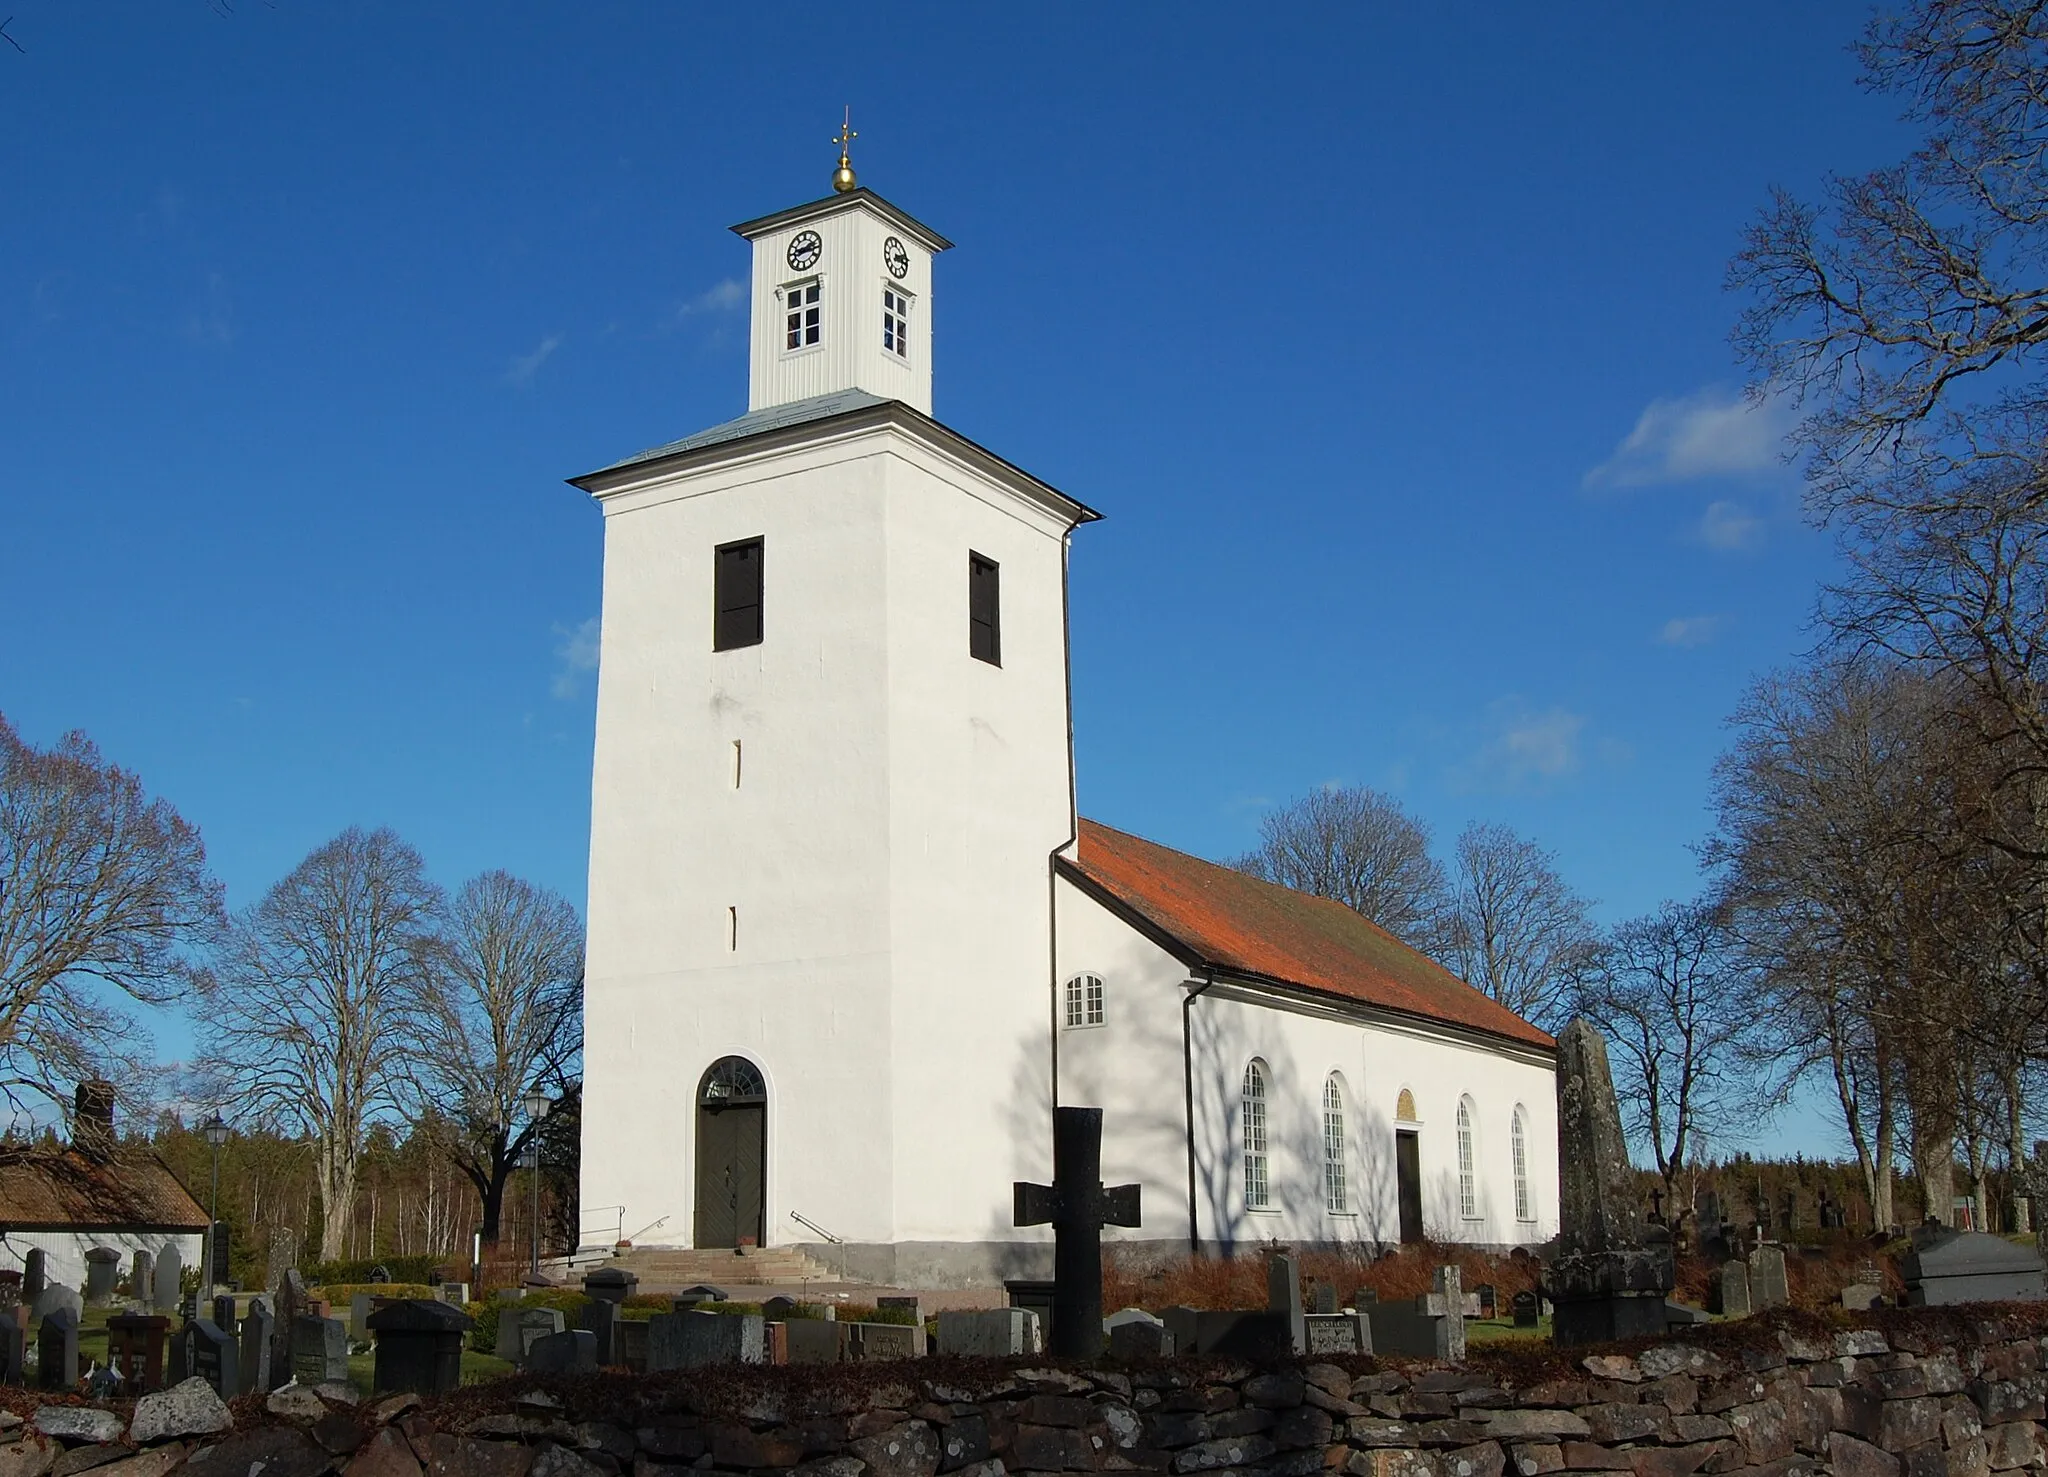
(537, 1104)
(216, 1131)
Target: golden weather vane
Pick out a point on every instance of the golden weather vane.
(842, 177)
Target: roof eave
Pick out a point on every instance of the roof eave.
(609, 479)
(812, 209)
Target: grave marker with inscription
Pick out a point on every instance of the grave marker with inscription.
(319, 1350)
(57, 1350)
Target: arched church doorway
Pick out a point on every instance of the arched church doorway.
(732, 1153)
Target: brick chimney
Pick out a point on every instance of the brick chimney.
(92, 1120)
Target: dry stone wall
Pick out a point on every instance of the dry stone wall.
(1793, 1401)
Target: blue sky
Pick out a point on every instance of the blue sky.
(1391, 339)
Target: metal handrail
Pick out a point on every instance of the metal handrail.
(838, 1241)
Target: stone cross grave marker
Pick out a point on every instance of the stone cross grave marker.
(1078, 1206)
(1767, 1276)
(169, 1269)
(259, 1331)
(1446, 1304)
(57, 1350)
(1609, 1278)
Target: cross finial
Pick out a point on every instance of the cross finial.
(842, 177)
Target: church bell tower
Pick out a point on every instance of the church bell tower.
(831, 768)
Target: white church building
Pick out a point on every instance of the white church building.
(849, 941)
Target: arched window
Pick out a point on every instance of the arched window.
(1468, 1189)
(1258, 1187)
(1404, 1107)
(1518, 1142)
(732, 1079)
(1084, 1000)
(1336, 1192)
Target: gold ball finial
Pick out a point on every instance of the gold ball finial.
(842, 177)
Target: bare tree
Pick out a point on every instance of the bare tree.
(509, 1017)
(101, 891)
(1672, 997)
(317, 999)
(1360, 847)
(1513, 928)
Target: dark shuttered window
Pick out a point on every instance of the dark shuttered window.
(984, 610)
(738, 596)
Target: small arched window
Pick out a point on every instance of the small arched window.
(1468, 1189)
(1258, 1186)
(1404, 1107)
(1525, 1209)
(1084, 1001)
(1336, 1189)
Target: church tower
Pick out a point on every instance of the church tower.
(832, 767)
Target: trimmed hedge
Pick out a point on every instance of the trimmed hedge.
(408, 1269)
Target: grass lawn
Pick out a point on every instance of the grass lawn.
(477, 1368)
(1493, 1330)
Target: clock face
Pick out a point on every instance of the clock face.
(804, 250)
(897, 258)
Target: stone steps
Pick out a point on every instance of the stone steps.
(666, 1270)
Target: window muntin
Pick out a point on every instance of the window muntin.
(984, 610)
(1525, 1209)
(1083, 1001)
(802, 321)
(895, 322)
(1258, 1186)
(736, 595)
(1468, 1189)
(1336, 1189)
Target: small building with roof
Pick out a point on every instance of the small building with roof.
(94, 1191)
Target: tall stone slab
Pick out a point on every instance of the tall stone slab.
(1767, 1285)
(170, 1270)
(259, 1333)
(1611, 1274)
(1283, 1296)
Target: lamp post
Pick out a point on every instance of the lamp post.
(216, 1131)
(536, 1104)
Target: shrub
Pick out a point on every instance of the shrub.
(862, 1313)
(483, 1336)
(338, 1293)
(401, 1268)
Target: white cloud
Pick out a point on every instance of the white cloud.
(720, 298)
(1713, 433)
(576, 650)
(524, 367)
(1528, 746)
(1691, 630)
(1730, 527)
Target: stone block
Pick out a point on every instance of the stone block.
(1761, 1430)
(192, 1408)
(1849, 1457)
(1537, 1458)
(2015, 1444)
(1523, 1425)
(1006, 1332)
(1905, 1424)
(1590, 1456)
(1485, 1459)
(691, 1340)
(2010, 1400)
(573, 1351)
(809, 1340)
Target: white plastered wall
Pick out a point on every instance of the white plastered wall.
(64, 1251)
(1131, 1066)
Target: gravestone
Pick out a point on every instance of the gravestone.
(778, 1308)
(224, 1312)
(1446, 1304)
(691, 1340)
(319, 1350)
(1133, 1334)
(1283, 1296)
(573, 1351)
(381, 1275)
(610, 1284)
(1947, 1266)
(55, 1296)
(911, 1305)
(703, 1292)
(1767, 1287)
(13, 1353)
(170, 1270)
(1429, 1327)
(995, 1332)
(360, 1306)
(1526, 1305)
(1363, 1295)
(102, 1271)
(1078, 1206)
(281, 1258)
(1861, 1297)
(1338, 1333)
(630, 1337)
(519, 1331)
(866, 1343)
(601, 1317)
(419, 1345)
(259, 1330)
(219, 1243)
(291, 1305)
(135, 1350)
(1728, 1293)
(57, 1350)
(1610, 1276)
(454, 1292)
(210, 1355)
(805, 1341)
(1322, 1298)
(1489, 1300)
(35, 1274)
(1241, 1335)
(142, 1278)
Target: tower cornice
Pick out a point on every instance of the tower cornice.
(834, 204)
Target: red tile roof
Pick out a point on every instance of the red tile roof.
(52, 1189)
(1239, 925)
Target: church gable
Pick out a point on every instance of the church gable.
(1222, 919)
